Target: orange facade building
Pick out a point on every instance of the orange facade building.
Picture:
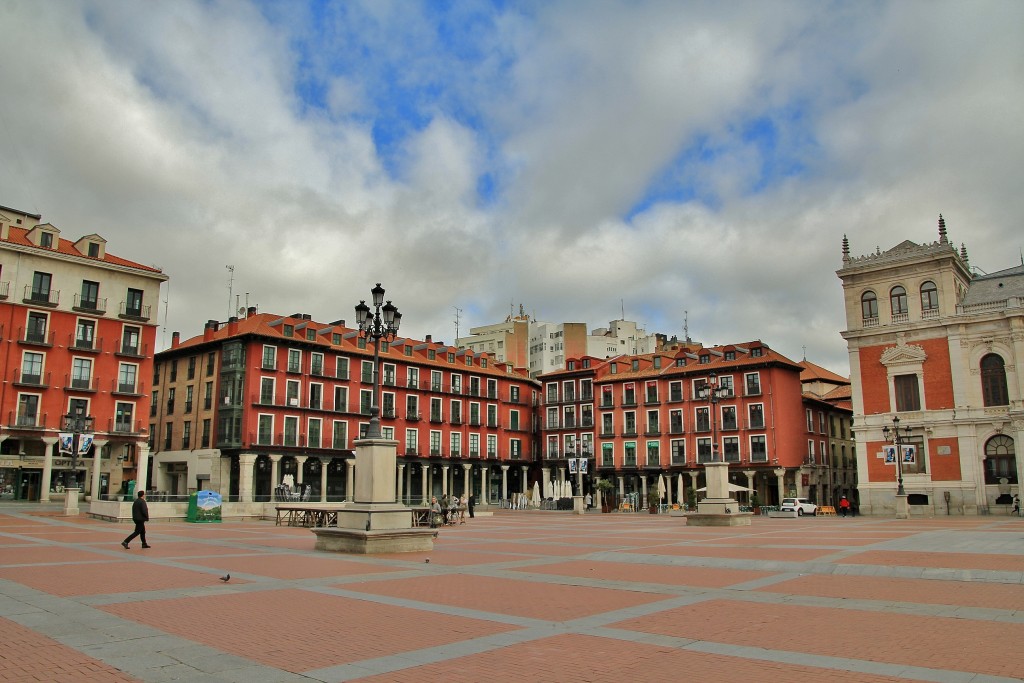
(77, 329)
(267, 400)
(639, 420)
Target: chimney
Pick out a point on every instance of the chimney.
(251, 312)
(430, 338)
(232, 326)
(175, 339)
(211, 327)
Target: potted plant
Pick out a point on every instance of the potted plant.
(691, 499)
(755, 503)
(603, 487)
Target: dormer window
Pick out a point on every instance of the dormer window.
(94, 250)
(46, 240)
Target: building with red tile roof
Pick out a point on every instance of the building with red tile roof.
(639, 419)
(267, 400)
(78, 337)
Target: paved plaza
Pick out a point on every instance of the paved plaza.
(518, 596)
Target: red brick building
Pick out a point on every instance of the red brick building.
(77, 328)
(638, 418)
(268, 399)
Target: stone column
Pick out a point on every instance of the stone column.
(622, 486)
(400, 483)
(545, 483)
(561, 475)
(97, 448)
(246, 463)
(274, 477)
(142, 465)
(444, 480)
(425, 473)
(694, 479)
(644, 500)
(467, 483)
(751, 484)
(504, 482)
(300, 462)
(408, 480)
(485, 484)
(780, 476)
(522, 482)
(44, 485)
(323, 479)
(350, 467)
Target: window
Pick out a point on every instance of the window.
(456, 444)
(294, 360)
(90, 294)
(94, 250)
(269, 357)
(123, 418)
(630, 454)
(265, 430)
(703, 420)
(32, 368)
(36, 331)
(753, 383)
(313, 433)
(133, 302)
(729, 417)
(174, 371)
(28, 409)
(84, 334)
(755, 413)
(758, 448)
(629, 395)
(1000, 460)
(41, 286)
(908, 398)
(810, 419)
(993, 381)
(365, 401)
(388, 372)
(191, 373)
(340, 399)
(316, 392)
(205, 438)
(208, 396)
(168, 435)
(126, 378)
(607, 455)
(130, 340)
(725, 384)
(629, 429)
(412, 442)
(869, 305)
(412, 407)
(675, 391)
(435, 443)
(81, 373)
(898, 300)
(653, 454)
(340, 436)
(653, 426)
(316, 364)
(929, 296)
(291, 430)
(46, 240)
(678, 447)
(341, 371)
(675, 421)
(703, 450)
(186, 435)
(731, 448)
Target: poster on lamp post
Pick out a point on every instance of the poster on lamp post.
(84, 444)
(583, 465)
(909, 455)
(572, 465)
(66, 441)
(890, 455)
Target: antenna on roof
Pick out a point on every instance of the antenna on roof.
(231, 284)
(167, 295)
(457, 312)
(686, 326)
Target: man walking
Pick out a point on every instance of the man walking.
(140, 515)
(844, 506)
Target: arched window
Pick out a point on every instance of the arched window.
(1000, 460)
(898, 300)
(993, 381)
(869, 305)
(929, 296)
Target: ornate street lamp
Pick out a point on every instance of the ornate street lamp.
(712, 393)
(78, 424)
(895, 437)
(381, 322)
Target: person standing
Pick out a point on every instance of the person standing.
(470, 504)
(140, 515)
(1016, 505)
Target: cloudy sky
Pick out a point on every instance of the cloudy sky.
(673, 160)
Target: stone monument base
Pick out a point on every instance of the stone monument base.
(362, 542)
(71, 502)
(718, 512)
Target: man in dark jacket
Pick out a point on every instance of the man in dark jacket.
(471, 504)
(140, 515)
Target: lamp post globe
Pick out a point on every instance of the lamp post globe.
(380, 322)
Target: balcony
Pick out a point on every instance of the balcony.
(436, 417)
(294, 368)
(652, 400)
(82, 344)
(607, 433)
(50, 298)
(132, 350)
(31, 379)
(317, 370)
(412, 416)
(5, 288)
(35, 337)
(96, 306)
(269, 364)
(133, 312)
(652, 431)
(125, 389)
(675, 397)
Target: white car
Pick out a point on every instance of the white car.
(801, 506)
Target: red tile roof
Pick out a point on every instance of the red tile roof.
(19, 236)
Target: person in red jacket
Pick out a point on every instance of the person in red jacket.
(844, 505)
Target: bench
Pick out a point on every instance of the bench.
(827, 510)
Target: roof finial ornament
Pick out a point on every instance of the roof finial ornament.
(942, 230)
(963, 253)
(846, 250)
(878, 250)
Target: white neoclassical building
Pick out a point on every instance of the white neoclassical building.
(936, 346)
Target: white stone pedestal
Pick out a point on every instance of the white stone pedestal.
(578, 508)
(375, 522)
(902, 507)
(718, 509)
(71, 502)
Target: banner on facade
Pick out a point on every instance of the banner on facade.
(572, 465)
(66, 441)
(909, 455)
(890, 455)
(84, 444)
(583, 465)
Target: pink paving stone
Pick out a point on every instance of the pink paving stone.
(37, 554)
(30, 656)
(106, 577)
(821, 540)
(785, 555)
(276, 628)
(504, 596)
(110, 535)
(980, 646)
(453, 557)
(288, 566)
(645, 573)
(591, 659)
(929, 592)
(904, 558)
(530, 549)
